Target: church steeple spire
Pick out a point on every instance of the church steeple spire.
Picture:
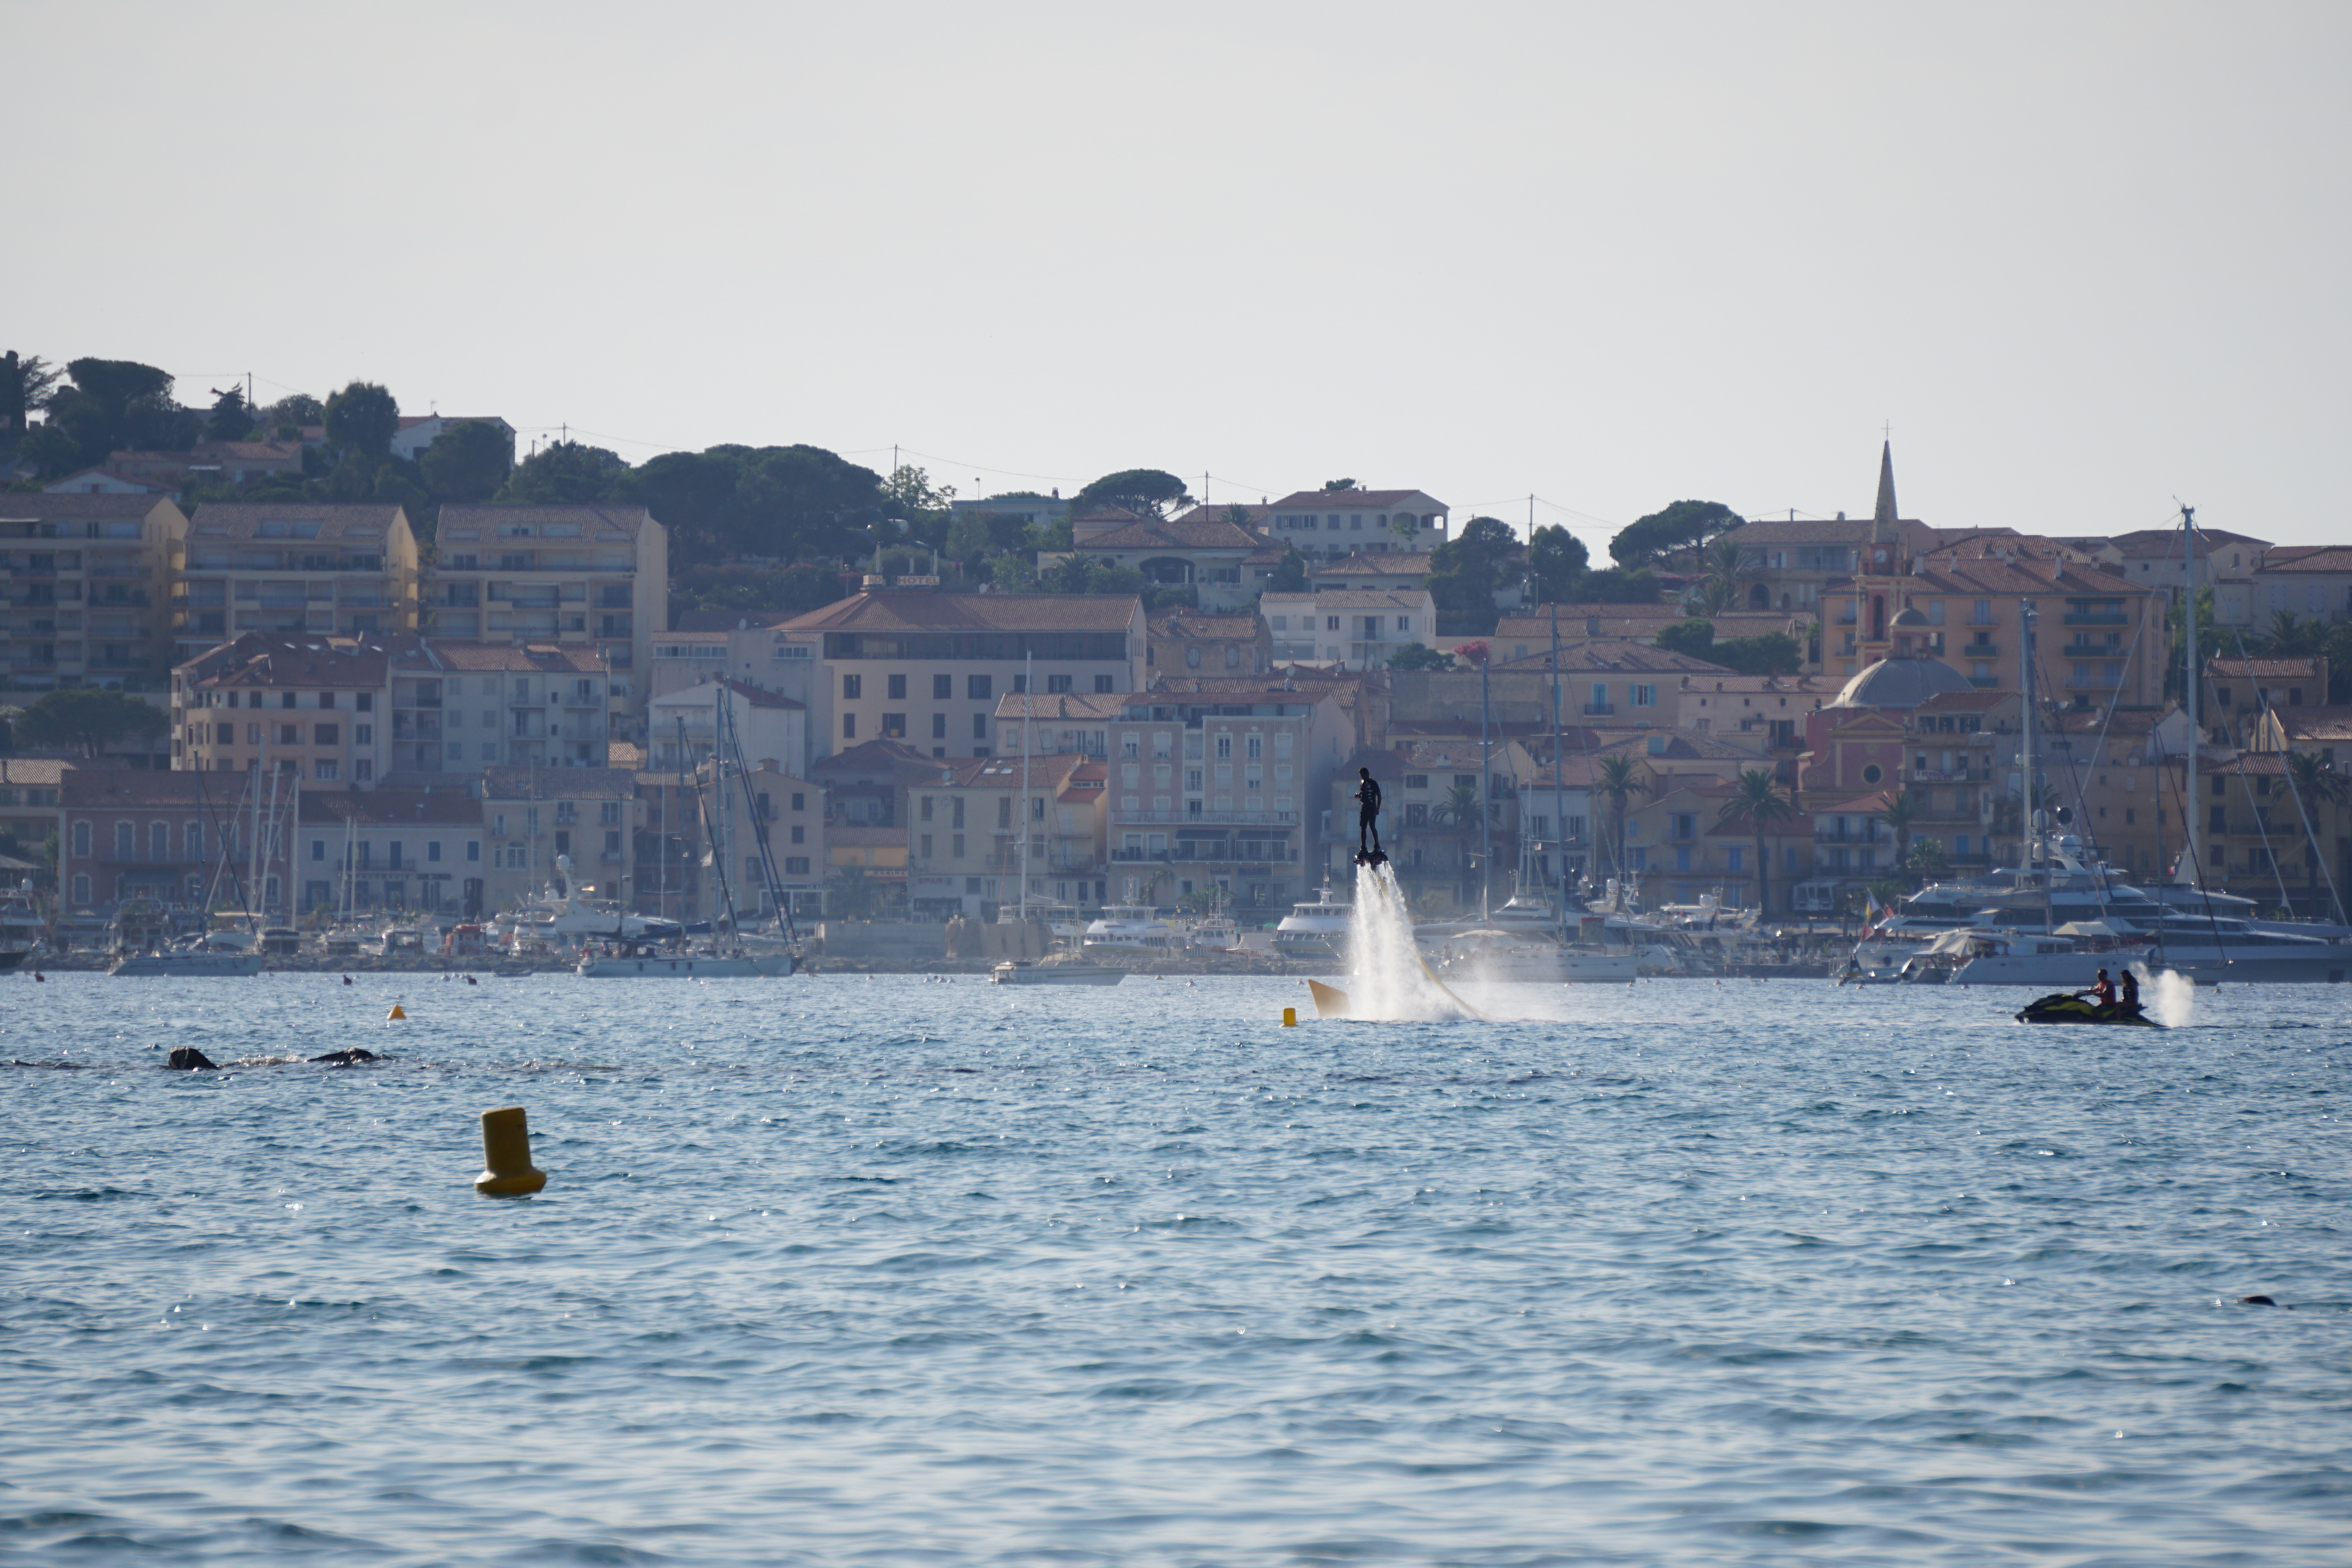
(1884, 521)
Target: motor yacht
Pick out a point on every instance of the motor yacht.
(1316, 928)
(1133, 927)
(1027, 972)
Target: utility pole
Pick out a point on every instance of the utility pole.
(2191, 869)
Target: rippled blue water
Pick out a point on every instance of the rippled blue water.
(886, 1270)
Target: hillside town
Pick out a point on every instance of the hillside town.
(444, 677)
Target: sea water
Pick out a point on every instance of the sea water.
(893, 1271)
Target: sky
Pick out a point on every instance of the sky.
(2084, 261)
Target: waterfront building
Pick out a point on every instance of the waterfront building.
(390, 851)
(317, 567)
(1360, 629)
(971, 822)
(533, 816)
(1330, 525)
(89, 597)
(1191, 641)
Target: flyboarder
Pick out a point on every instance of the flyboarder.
(1368, 802)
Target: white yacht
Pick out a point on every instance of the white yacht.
(1315, 929)
(1494, 954)
(1133, 927)
(200, 962)
(22, 927)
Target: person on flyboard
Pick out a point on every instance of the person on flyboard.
(1368, 826)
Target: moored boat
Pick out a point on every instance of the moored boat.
(1026, 972)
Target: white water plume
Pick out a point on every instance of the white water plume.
(1387, 979)
(2170, 996)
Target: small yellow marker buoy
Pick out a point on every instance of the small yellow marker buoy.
(396, 1012)
(1290, 1017)
(506, 1154)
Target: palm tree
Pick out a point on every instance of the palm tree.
(1759, 802)
(1619, 779)
(1726, 571)
(1902, 814)
(2290, 637)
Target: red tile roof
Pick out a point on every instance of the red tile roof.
(915, 610)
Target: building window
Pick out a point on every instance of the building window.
(1056, 683)
(939, 724)
(1102, 684)
(852, 687)
(894, 726)
(1645, 696)
(849, 720)
(81, 839)
(942, 687)
(325, 772)
(363, 770)
(81, 888)
(800, 834)
(473, 849)
(124, 848)
(980, 688)
(980, 720)
(362, 735)
(897, 687)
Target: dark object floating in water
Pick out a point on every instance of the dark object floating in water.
(2258, 1301)
(2064, 1007)
(188, 1059)
(347, 1058)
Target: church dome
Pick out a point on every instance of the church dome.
(1901, 683)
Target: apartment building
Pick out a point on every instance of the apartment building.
(539, 821)
(310, 567)
(2223, 562)
(597, 577)
(1603, 683)
(89, 589)
(2239, 691)
(982, 823)
(136, 833)
(2313, 582)
(682, 726)
(1358, 629)
(1432, 828)
(398, 709)
(1680, 847)
(317, 707)
(2260, 839)
(1221, 783)
(685, 821)
(389, 853)
(1331, 524)
(459, 707)
(1765, 713)
(928, 669)
(1186, 642)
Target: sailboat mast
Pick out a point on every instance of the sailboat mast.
(2034, 828)
(2191, 868)
(1558, 791)
(1028, 705)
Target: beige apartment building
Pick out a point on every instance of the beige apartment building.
(1360, 629)
(397, 709)
(969, 828)
(928, 669)
(595, 577)
(534, 818)
(316, 568)
(1334, 524)
(88, 590)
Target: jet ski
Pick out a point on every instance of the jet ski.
(2067, 1008)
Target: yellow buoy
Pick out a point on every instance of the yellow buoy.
(396, 1012)
(1290, 1017)
(506, 1154)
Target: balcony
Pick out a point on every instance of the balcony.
(1978, 651)
(1192, 854)
(1985, 682)
(2095, 683)
(2091, 651)
(2097, 617)
(1598, 710)
(1278, 821)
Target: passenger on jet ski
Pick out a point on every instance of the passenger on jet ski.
(2129, 1003)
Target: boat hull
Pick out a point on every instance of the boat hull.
(1058, 975)
(685, 968)
(199, 966)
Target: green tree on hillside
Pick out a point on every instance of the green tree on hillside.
(566, 473)
(1147, 492)
(1465, 572)
(467, 461)
(88, 719)
(231, 418)
(363, 418)
(1645, 540)
(1558, 561)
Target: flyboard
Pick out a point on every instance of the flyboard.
(1331, 1002)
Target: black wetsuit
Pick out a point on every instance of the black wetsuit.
(1367, 799)
(2129, 1004)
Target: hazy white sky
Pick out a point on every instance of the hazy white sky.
(2085, 258)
